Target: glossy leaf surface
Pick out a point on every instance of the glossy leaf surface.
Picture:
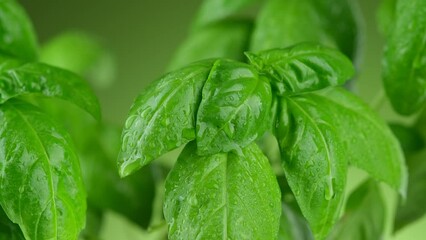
(215, 10)
(162, 118)
(413, 208)
(364, 217)
(313, 159)
(18, 78)
(41, 188)
(224, 39)
(282, 23)
(404, 65)
(17, 37)
(222, 196)
(234, 109)
(361, 128)
(302, 68)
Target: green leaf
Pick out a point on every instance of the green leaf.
(386, 16)
(17, 37)
(117, 227)
(108, 190)
(232, 46)
(302, 68)
(41, 188)
(413, 208)
(282, 23)
(18, 78)
(162, 118)
(215, 10)
(313, 159)
(9, 230)
(420, 124)
(364, 216)
(361, 128)
(80, 53)
(293, 226)
(222, 196)
(404, 65)
(409, 138)
(234, 109)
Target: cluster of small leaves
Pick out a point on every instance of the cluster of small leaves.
(220, 107)
(322, 131)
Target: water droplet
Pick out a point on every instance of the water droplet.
(329, 189)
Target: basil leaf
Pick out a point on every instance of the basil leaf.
(17, 37)
(9, 230)
(420, 124)
(215, 10)
(408, 137)
(116, 227)
(364, 216)
(302, 68)
(222, 196)
(293, 226)
(282, 23)
(80, 53)
(162, 118)
(404, 65)
(413, 208)
(234, 109)
(361, 128)
(232, 46)
(386, 16)
(313, 159)
(18, 78)
(41, 188)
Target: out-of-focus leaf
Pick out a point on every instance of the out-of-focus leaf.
(222, 196)
(224, 39)
(293, 226)
(234, 109)
(420, 124)
(302, 68)
(282, 23)
(162, 118)
(17, 37)
(18, 78)
(116, 227)
(80, 53)
(9, 230)
(370, 144)
(215, 10)
(364, 216)
(41, 188)
(414, 206)
(409, 138)
(313, 159)
(386, 15)
(404, 64)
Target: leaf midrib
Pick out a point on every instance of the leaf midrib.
(327, 154)
(41, 146)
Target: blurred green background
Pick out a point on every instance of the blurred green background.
(143, 35)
